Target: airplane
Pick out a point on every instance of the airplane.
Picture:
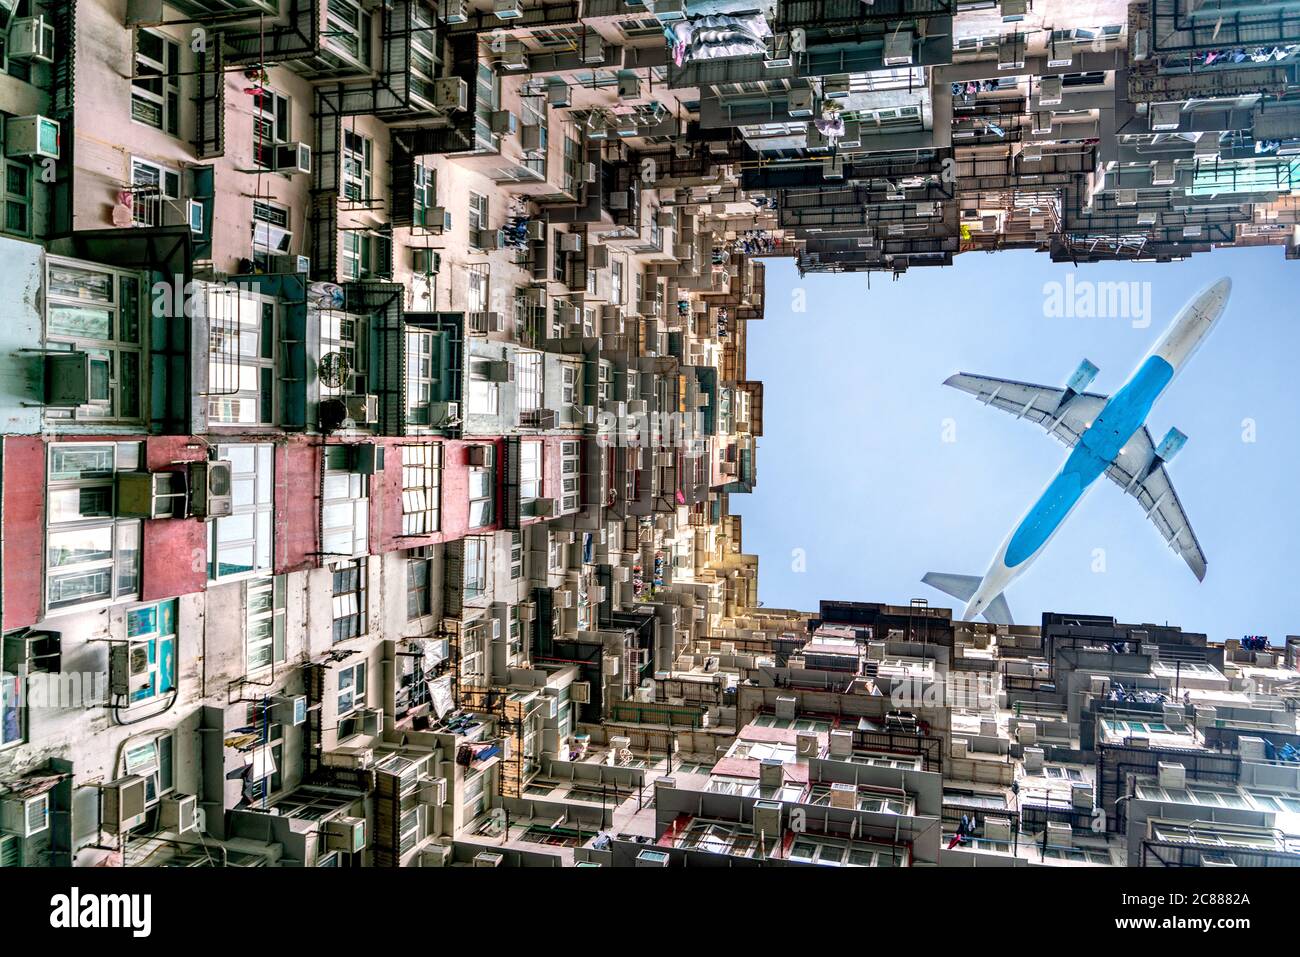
(1106, 435)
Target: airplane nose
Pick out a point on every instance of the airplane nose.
(1222, 288)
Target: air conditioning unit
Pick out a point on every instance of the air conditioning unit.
(1126, 197)
(31, 38)
(426, 262)
(210, 489)
(346, 834)
(31, 137)
(1013, 10)
(489, 859)
(508, 9)
(291, 709)
(292, 158)
(629, 86)
(289, 265)
(530, 137)
(150, 495)
(478, 456)
(454, 11)
(670, 9)
(1050, 91)
(580, 692)
(178, 813)
(800, 102)
(489, 239)
(1163, 173)
(25, 817)
(123, 804)
(1011, 53)
(542, 507)
(515, 59)
(539, 419)
(503, 122)
(570, 242)
(593, 49)
(500, 370)
(1041, 122)
(1164, 117)
(434, 792)
(835, 87)
(617, 200)
(372, 721)
(450, 93)
(597, 256)
(557, 94)
(898, 48)
(354, 759)
(437, 217)
(34, 652)
(1031, 153)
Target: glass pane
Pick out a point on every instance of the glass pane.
(81, 322)
(81, 545)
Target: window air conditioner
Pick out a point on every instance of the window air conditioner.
(450, 93)
(479, 456)
(1011, 53)
(437, 217)
(31, 137)
(289, 265)
(454, 11)
(593, 49)
(557, 93)
(898, 48)
(123, 804)
(361, 409)
(150, 495)
(503, 122)
(1050, 91)
(1165, 116)
(530, 137)
(508, 9)
(292, 158)
(1013, 10)
(178, 813)
(800, 102)
(489, 239)
(570, 242)
(515, 59)
(433, 792)
(25, 817)
(597, 256)
(210, 489)
(426, 262)
(31, 38)
(346, 834)
(580, 692)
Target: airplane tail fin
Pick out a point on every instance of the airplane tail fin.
(964, 587)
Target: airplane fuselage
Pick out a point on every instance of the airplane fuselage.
(1100, 445)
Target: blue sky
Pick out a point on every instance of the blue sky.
(853, 467)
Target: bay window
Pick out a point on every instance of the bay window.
(97, 310)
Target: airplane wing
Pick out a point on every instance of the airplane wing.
(1132, 472)
(1065, 420)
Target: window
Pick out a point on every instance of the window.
(151, 652)
(570, 477)
(528, 381)
(240, 543)
(271, 233)
(347, 30)
(13, 716)
(241, 357)
(352, 690)
(419, 598)
(424, 59)
(346, 334)
(350, 589)
(569, 379)
(476, 297)
(616, 281)
(152, 186)
(97, 310)
(90, 557)
(419, 378)
(478, 216)
(516, 555)
(266, 772)
(530, 470)
(482, 492)
(358, 159)
(345, 506)
(270, 125)
(155, 88)
(484, 394)
(421, 488)
(264, 621)
(16, 197)
(426, 193)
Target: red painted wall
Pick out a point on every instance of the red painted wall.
(24, 529)
(297, 504)
(174, 553)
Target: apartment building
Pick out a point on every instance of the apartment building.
(374, 386)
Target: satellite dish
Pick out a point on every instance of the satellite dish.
(333, 369)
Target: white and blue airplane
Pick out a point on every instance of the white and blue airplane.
(1106, 435)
